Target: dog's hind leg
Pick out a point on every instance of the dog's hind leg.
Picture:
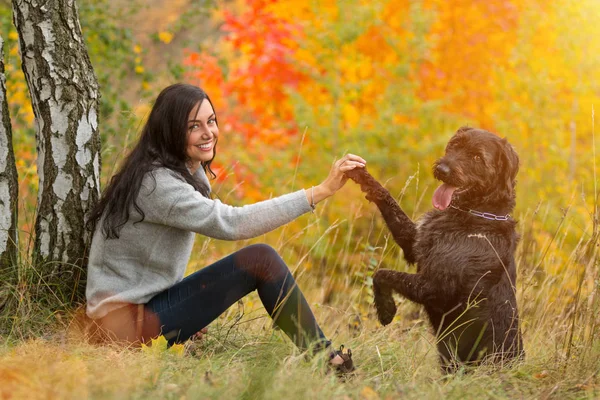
(403, 229)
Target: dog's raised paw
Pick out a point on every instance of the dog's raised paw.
(384, 302)
(386, 309)
(362, 178)
(358, 175)
(385, 306)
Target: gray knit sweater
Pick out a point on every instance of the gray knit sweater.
(151, 256)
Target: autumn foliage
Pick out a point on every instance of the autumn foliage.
(392, 80)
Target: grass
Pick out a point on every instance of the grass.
(393, 362)
(243, 357)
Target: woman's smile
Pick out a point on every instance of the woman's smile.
(205, 146)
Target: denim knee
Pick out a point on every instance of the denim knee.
(263, 260)
(263, 250)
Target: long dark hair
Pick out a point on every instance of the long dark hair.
(162, 143)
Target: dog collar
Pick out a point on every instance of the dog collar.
(486, 215)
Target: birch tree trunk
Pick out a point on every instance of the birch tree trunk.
(9, 192)
(64, 94)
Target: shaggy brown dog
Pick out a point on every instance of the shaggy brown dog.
(464, 251)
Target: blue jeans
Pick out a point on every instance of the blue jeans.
(201, 297)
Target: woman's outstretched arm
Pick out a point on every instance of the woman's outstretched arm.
(175, 203)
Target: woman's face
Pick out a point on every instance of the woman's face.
(202, 134)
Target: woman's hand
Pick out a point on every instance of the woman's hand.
(336, 178)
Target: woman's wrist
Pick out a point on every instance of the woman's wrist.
(318, 193)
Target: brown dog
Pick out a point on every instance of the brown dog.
(464, 251)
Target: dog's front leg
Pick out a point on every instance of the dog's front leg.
(403, 229)
(412, 286)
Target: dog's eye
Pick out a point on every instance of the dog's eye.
(477, 158)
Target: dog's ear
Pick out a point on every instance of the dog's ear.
(510, 165)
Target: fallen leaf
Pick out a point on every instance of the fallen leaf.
(367, 393)
(541, 375)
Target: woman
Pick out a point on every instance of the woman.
(144, 230)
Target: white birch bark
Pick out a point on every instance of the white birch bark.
(9, 192)
(64, 93)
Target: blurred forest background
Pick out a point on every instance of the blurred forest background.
(296, 84)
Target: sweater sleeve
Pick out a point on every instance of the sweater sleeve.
(189, 210)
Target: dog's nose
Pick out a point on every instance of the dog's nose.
(442, 169)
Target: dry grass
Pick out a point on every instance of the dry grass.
(45, 355)
(245, 358)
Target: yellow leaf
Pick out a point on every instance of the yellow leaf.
(13, 35)
(159, 343)
(139, 69)
(157, 346)
(137, 49)
(165, 37)
(177, 349)
(160, 346)
(367, 393)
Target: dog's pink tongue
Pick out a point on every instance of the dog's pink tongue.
(443, 196)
